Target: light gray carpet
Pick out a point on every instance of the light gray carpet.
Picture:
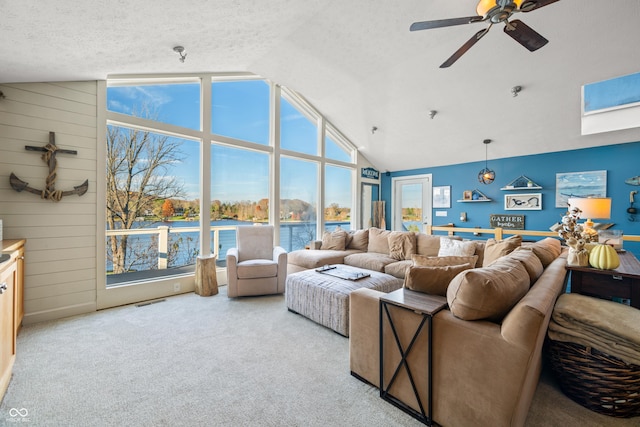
(209, 361)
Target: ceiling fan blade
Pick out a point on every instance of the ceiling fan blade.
(525, 35)
(530, 5)
(465, 47)
(425, 25)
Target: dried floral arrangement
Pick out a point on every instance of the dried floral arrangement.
(572, 232)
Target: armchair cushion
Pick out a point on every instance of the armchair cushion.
(255, 268)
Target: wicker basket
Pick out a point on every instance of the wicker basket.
(596, 380)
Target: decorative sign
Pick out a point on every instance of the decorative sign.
(370, 173)
(512, 222)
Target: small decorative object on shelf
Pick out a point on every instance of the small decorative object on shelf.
(575, 237)
(474, 196)
(520, 183)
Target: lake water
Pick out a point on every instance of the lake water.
(292, 236)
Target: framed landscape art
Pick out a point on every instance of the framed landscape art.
(580, 184)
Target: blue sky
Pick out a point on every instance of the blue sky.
(240, 110)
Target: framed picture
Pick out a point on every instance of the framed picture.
(467, 195)
(523, 202)
(442, 196)
(580, 184)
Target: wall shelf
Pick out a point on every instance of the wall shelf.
(475, 196)
(521, 183)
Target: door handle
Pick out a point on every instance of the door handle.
(3, 287)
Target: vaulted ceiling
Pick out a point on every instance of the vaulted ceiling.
(356, 61)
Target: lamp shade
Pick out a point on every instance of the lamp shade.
(592, 207)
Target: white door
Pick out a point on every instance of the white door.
(411, 202)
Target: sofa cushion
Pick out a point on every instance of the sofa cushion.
(454, 247)
(495, 249)
(358, 239)
(402, 244)
(488, 292)
(529, 260)
(334, 240)
(369, 261)
(433, 280)
(441, 261)
(399, 268)
(317, 258)
(378, 241)
(546, 249)
(427, 244)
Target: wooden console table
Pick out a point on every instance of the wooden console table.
(426, 306)
(623, 282)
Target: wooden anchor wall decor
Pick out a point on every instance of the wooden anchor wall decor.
(49, 157)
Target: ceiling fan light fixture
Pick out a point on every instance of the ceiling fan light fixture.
(484, 6)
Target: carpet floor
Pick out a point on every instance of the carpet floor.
(214, 361)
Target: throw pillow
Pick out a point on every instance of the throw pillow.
(530, 262)
(335, 240)
(547, 250)
(427, 244)
(432, 280)
(441, 261)
(495, 249)
(359, 240)
(378, 241)
(488, 292)
(402, 244)
(453, 247)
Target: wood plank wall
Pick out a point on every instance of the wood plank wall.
(60, 259)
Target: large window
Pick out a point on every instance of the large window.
(298, 202)
(298, 131)
(240, 110)
(338, 193)
(158, 181)
(239, 191)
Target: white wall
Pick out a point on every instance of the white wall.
(60, 260)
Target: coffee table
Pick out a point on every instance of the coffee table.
(325, 299)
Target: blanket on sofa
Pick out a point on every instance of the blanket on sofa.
(607, 326)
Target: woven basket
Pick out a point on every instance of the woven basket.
(596, 380)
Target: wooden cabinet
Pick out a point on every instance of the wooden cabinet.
(11, 306)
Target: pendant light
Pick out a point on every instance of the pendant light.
(486, 175)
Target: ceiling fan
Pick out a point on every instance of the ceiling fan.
(494, 11)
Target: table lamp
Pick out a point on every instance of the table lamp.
(592, 207)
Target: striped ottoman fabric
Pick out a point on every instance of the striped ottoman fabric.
(325, 299)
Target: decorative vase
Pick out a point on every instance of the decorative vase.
(578, 257)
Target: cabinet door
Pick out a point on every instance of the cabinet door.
(7, 327)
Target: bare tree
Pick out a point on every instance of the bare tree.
(138, 163)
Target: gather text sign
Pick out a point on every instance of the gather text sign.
(513, 222)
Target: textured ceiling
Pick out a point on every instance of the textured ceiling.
(355, 61)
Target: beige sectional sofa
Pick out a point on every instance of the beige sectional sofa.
(487, 344)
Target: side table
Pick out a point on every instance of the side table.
(623, 282)
(395, 307)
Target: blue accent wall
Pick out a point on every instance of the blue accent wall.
(621, 161)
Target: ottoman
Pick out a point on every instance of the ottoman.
(325, 299)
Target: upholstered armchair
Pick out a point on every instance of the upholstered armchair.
(256, 266)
